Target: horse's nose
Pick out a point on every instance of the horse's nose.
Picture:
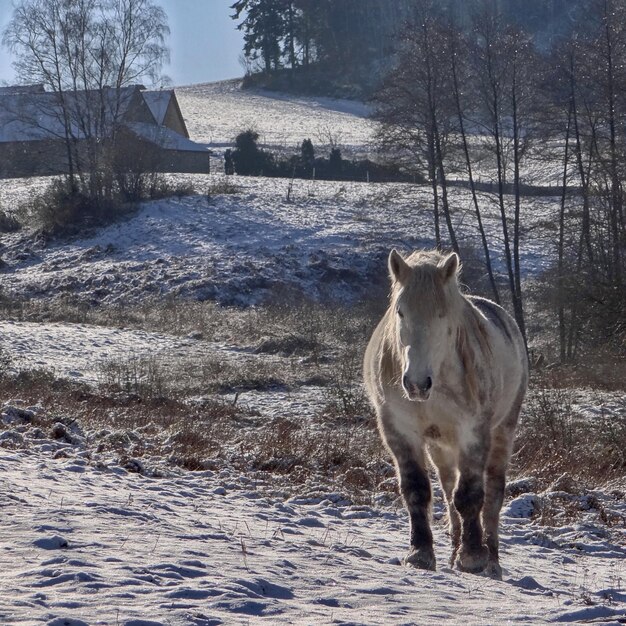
(421, 389)
(426, 385)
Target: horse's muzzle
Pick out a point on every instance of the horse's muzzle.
(417, 392)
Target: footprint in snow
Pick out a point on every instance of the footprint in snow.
(55, 542)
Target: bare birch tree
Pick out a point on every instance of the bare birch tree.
(85, 52)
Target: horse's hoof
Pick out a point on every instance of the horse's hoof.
(421, 558)
(472, 562)
(493, 570)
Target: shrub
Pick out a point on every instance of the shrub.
(248, 158)
(8, 223)
(307, 157)
(554, 439)
(5, 362)
(63, 208)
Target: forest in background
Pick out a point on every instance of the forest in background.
(344, 48)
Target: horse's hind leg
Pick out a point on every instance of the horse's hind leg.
(495, 480)
(416, 492)
(448, 475)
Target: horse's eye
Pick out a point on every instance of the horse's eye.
(400, 313)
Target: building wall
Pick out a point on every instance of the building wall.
(173, 120)
(32, 158)
(187, 162)
(49, 157)
(139, 154)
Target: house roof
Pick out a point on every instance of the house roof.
(166, 138)
(158, 102)
(13, 89)
(30, 114)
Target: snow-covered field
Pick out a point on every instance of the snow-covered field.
(328, 241)
(216, 113)
(83, 540)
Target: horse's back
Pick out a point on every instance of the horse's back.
(509, 359)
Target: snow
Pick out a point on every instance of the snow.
(329, 241)
(216, 113)
(86, 541)
(78, 351)
(93, 537)
(166, 138)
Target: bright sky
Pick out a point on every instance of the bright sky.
(204, 44)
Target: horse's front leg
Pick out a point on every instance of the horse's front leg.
(468, 500)
(416, 492)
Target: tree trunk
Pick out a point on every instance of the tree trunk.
(561, 245)
(517, 278)
(468, 165)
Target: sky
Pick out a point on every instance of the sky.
(204, 44)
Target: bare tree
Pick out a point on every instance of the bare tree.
(85, 52)
(501, 57)
(415, 107)
(457, 56)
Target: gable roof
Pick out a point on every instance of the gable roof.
(31, 114)
(158, 102)
(166, 138)
(163, 105)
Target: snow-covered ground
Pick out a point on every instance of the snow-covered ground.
(328, 241)
(83, 541)
(216, 113)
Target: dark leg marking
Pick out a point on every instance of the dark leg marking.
(468, 499)
(416, 492)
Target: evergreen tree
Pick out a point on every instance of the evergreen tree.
(248, 158)
(335, 164)
(307, 156)
(264, 29)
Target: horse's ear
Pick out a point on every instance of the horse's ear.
(449, 266)
(398, 268)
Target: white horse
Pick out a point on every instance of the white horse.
(447, 372)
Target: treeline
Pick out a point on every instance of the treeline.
(345, 46)
(319, 43)
(248, 159)
(455, 88)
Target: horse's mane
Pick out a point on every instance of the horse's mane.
(426, 287)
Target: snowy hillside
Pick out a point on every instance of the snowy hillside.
(102, 521)
(328, 241)
(216, 112)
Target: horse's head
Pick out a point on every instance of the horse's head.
(424, 302)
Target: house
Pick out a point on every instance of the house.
(147, 124)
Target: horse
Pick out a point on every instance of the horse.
(446, 374)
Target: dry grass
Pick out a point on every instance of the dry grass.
(291, 346)
(209, 435)
(222, 186)
(553, 439)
